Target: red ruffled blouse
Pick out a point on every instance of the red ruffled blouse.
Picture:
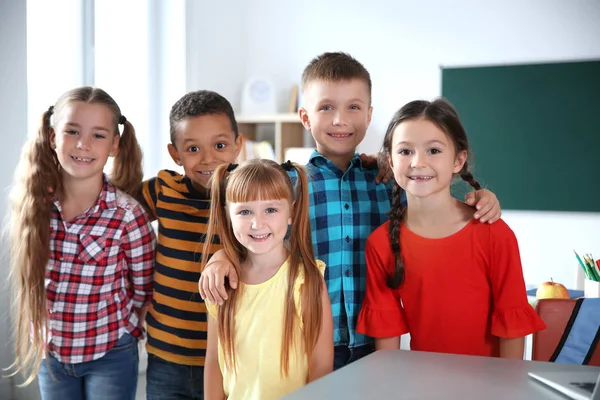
(461, 293)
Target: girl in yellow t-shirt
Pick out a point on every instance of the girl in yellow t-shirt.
(274, 333)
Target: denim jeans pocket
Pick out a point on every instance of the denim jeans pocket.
(125, 342)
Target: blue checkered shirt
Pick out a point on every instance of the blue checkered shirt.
(345, 208)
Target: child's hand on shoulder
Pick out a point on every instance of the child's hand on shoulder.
(378, 161)
(211, 284)
(487, 205)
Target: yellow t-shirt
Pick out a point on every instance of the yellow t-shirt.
(258, 332)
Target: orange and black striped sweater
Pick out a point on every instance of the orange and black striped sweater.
(176, 320)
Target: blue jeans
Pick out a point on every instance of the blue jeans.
(344, 355)
(112, 377)
(169, 381)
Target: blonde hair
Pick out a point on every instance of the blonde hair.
(37, 182)
(267, 180)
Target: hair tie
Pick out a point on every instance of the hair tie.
(231, 167)
(396, 248)
(288, 166)
(50, 110)
(122, 120)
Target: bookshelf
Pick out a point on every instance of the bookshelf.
(289, 131)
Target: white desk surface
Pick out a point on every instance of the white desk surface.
(399, 374)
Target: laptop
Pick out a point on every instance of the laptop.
(582, 385)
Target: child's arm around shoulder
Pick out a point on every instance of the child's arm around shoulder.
(486, 204)
(211, 284)
(321, 362)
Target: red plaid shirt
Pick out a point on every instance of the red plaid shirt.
(101, 267)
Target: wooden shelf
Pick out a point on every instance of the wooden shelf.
(289, 131)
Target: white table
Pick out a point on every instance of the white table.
(399, 374)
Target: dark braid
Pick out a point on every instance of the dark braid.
(468, 177)
(395, 215)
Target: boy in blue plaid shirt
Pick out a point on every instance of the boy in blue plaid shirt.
(346, 201)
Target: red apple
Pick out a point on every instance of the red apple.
(552, 290)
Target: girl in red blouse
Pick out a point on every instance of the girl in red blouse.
(455, 284)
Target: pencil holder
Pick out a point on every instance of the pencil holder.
(591, 288)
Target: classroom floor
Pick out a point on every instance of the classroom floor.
(141, 387)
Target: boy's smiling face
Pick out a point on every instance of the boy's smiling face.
(337, 114)
(202, 144)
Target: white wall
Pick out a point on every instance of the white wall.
(13, 114)
(171, 83)
(144, 69)
(403, 44)
(216, 46)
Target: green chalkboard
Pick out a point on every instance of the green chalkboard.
(534, 131)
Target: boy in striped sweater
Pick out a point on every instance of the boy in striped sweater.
(204, 135)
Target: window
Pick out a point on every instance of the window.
(135, 50)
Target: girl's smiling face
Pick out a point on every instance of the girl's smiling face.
(261, 225)
(84, 136)
(423, 158)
